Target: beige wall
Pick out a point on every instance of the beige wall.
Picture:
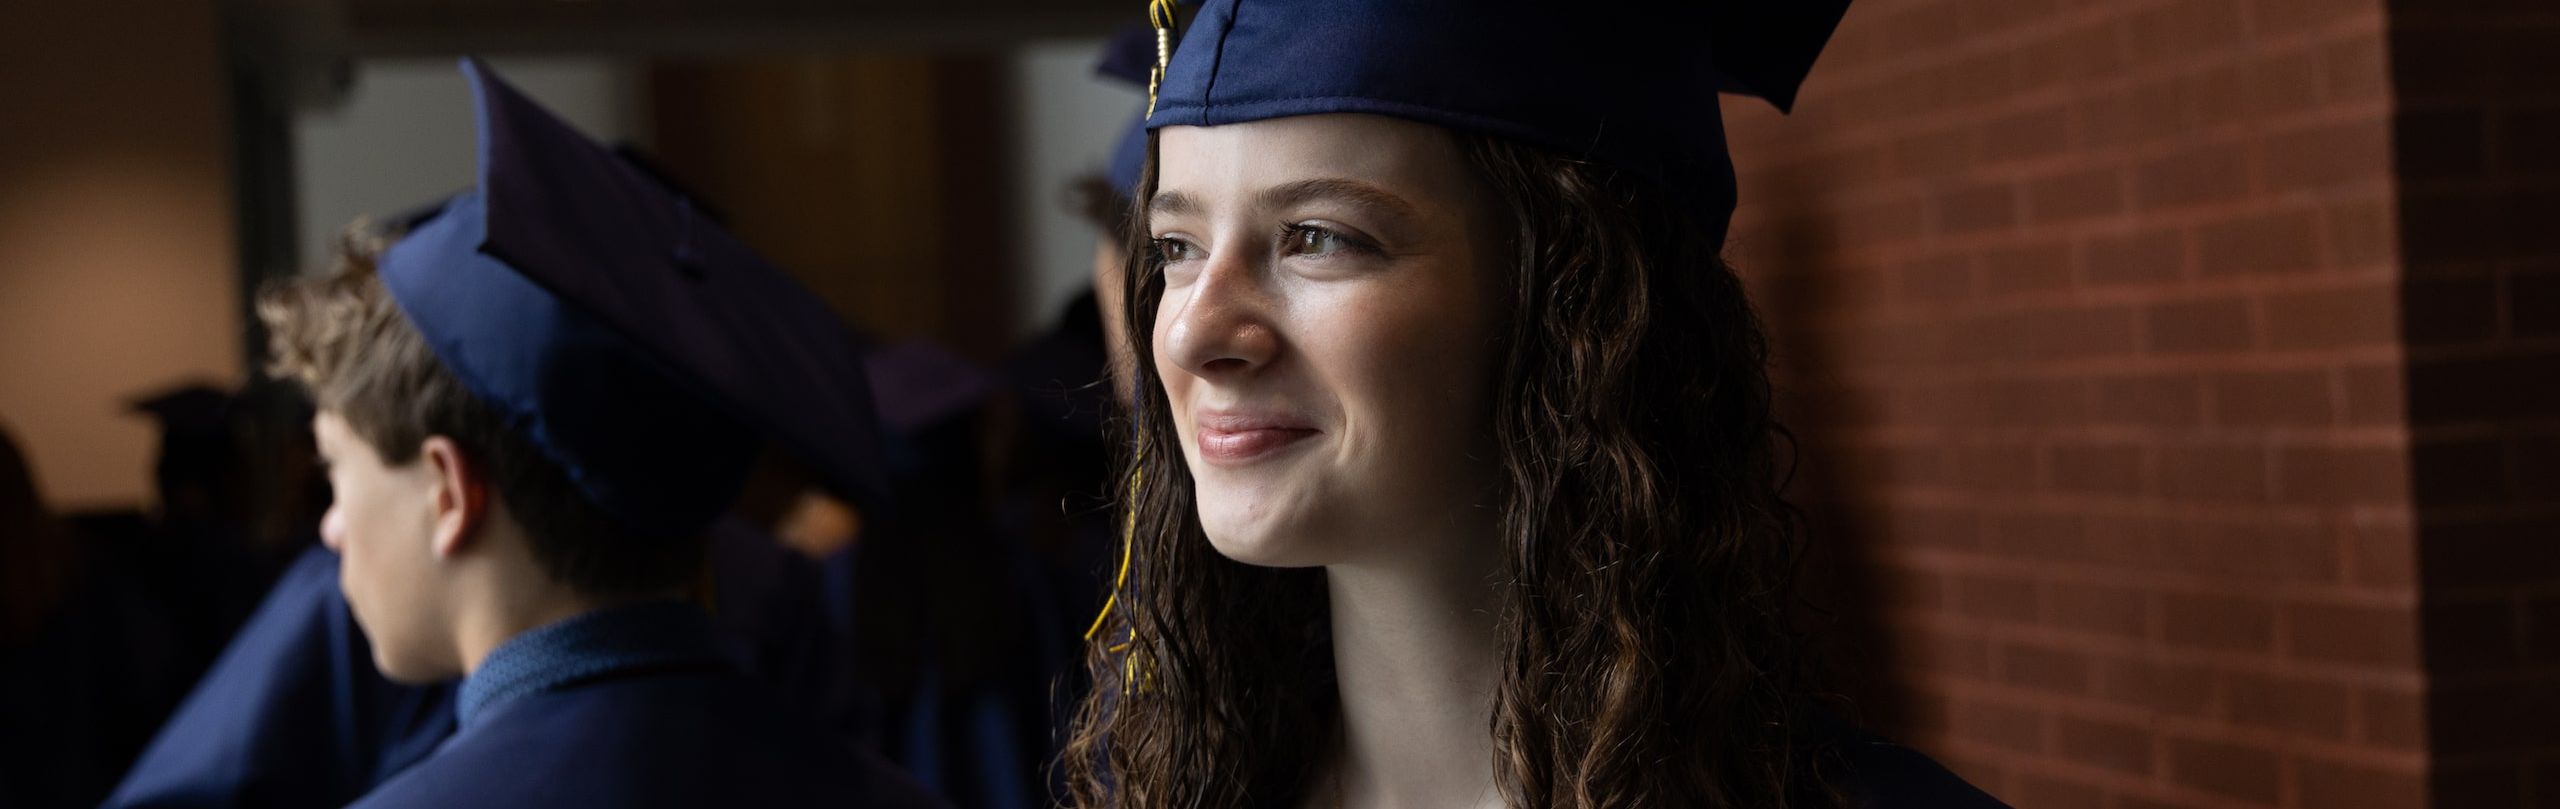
(117, 264)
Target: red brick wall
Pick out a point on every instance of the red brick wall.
(2089, 315)
(2478, 149)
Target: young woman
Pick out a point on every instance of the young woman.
(1455, 482)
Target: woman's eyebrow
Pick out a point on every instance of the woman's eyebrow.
(1352, 192)
(1291, 195)
(1172, 203)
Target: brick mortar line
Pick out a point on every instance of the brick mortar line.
(2045, 497)
(2289, 746)
(2264, 358)
(1810, 157)
(2497, 18)
(2530, 509)
(2498, 348)
(2132, 364)
(2008, 38)
(2019, 37)
(2085, 294)
(2153, 651)
(2527, 428)
(2515, 595)
(2549, 428)
(2200, 435)
(2493, 182)
(2044, 500)
(2286, 744)
(2075, 160)
(2164, 584)
(2504, 676)
(2235, 514)
(2539, 754)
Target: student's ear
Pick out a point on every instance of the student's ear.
(461, 495)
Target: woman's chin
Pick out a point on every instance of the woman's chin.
(1263, 544)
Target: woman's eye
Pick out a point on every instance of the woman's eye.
(1309, 240)
(1174, 251)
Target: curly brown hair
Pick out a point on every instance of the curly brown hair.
(1648, 644)
(344, 338)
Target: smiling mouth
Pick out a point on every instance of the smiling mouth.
(1238, 447)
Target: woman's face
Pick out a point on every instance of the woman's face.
(1326, 335)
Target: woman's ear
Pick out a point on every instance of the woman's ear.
(460, 498)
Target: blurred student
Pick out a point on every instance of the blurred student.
(533, 407)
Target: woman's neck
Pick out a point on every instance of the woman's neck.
(1416, 656)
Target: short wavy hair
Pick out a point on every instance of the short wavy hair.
(343, 337)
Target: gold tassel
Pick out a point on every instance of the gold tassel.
(1128, 544)
(1160, 15)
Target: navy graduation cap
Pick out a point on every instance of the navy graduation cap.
(640, 345)
(1630, 85)
(922, 383)
(1128, 58)
(1128, 160)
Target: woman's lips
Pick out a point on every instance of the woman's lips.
(1235, 447)
(1235, 440)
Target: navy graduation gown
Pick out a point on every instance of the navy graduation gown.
(1878, 774)
(294, 716)
(634, 706)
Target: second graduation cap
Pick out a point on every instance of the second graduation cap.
(645, 349)
(1126, 59)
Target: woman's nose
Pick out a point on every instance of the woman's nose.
(1219, 325)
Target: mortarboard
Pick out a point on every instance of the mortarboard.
(1128, 56)
(188, 406)
(642, 347)
(920, 383)
(1634, 87)
(1127, 59)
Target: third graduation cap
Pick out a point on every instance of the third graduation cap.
(1126, 59)
(640, 345)
(1631, 85)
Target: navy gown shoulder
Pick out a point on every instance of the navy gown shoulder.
(292, 714)
(662, 738)
(1879, 774)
